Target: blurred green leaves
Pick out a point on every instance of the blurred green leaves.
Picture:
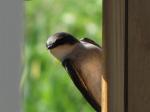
(45, 84)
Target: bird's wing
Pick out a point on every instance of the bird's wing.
(79, 82)
(90, 41)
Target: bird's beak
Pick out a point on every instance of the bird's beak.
(50, 43)
(49, 46)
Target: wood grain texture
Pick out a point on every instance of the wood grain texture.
(113, 39)
(139, 56)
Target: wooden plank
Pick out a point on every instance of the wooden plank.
(113, 36)
(139, 56)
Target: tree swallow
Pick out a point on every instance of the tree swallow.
(83, 60)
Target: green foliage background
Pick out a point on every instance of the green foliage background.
(46, 87)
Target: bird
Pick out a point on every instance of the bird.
(83, 60)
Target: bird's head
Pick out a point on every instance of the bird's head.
(61, 44)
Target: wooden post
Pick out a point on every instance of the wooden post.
(113, 39)
(104, 95)
(138, 56)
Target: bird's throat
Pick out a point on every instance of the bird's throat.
(62, 51)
